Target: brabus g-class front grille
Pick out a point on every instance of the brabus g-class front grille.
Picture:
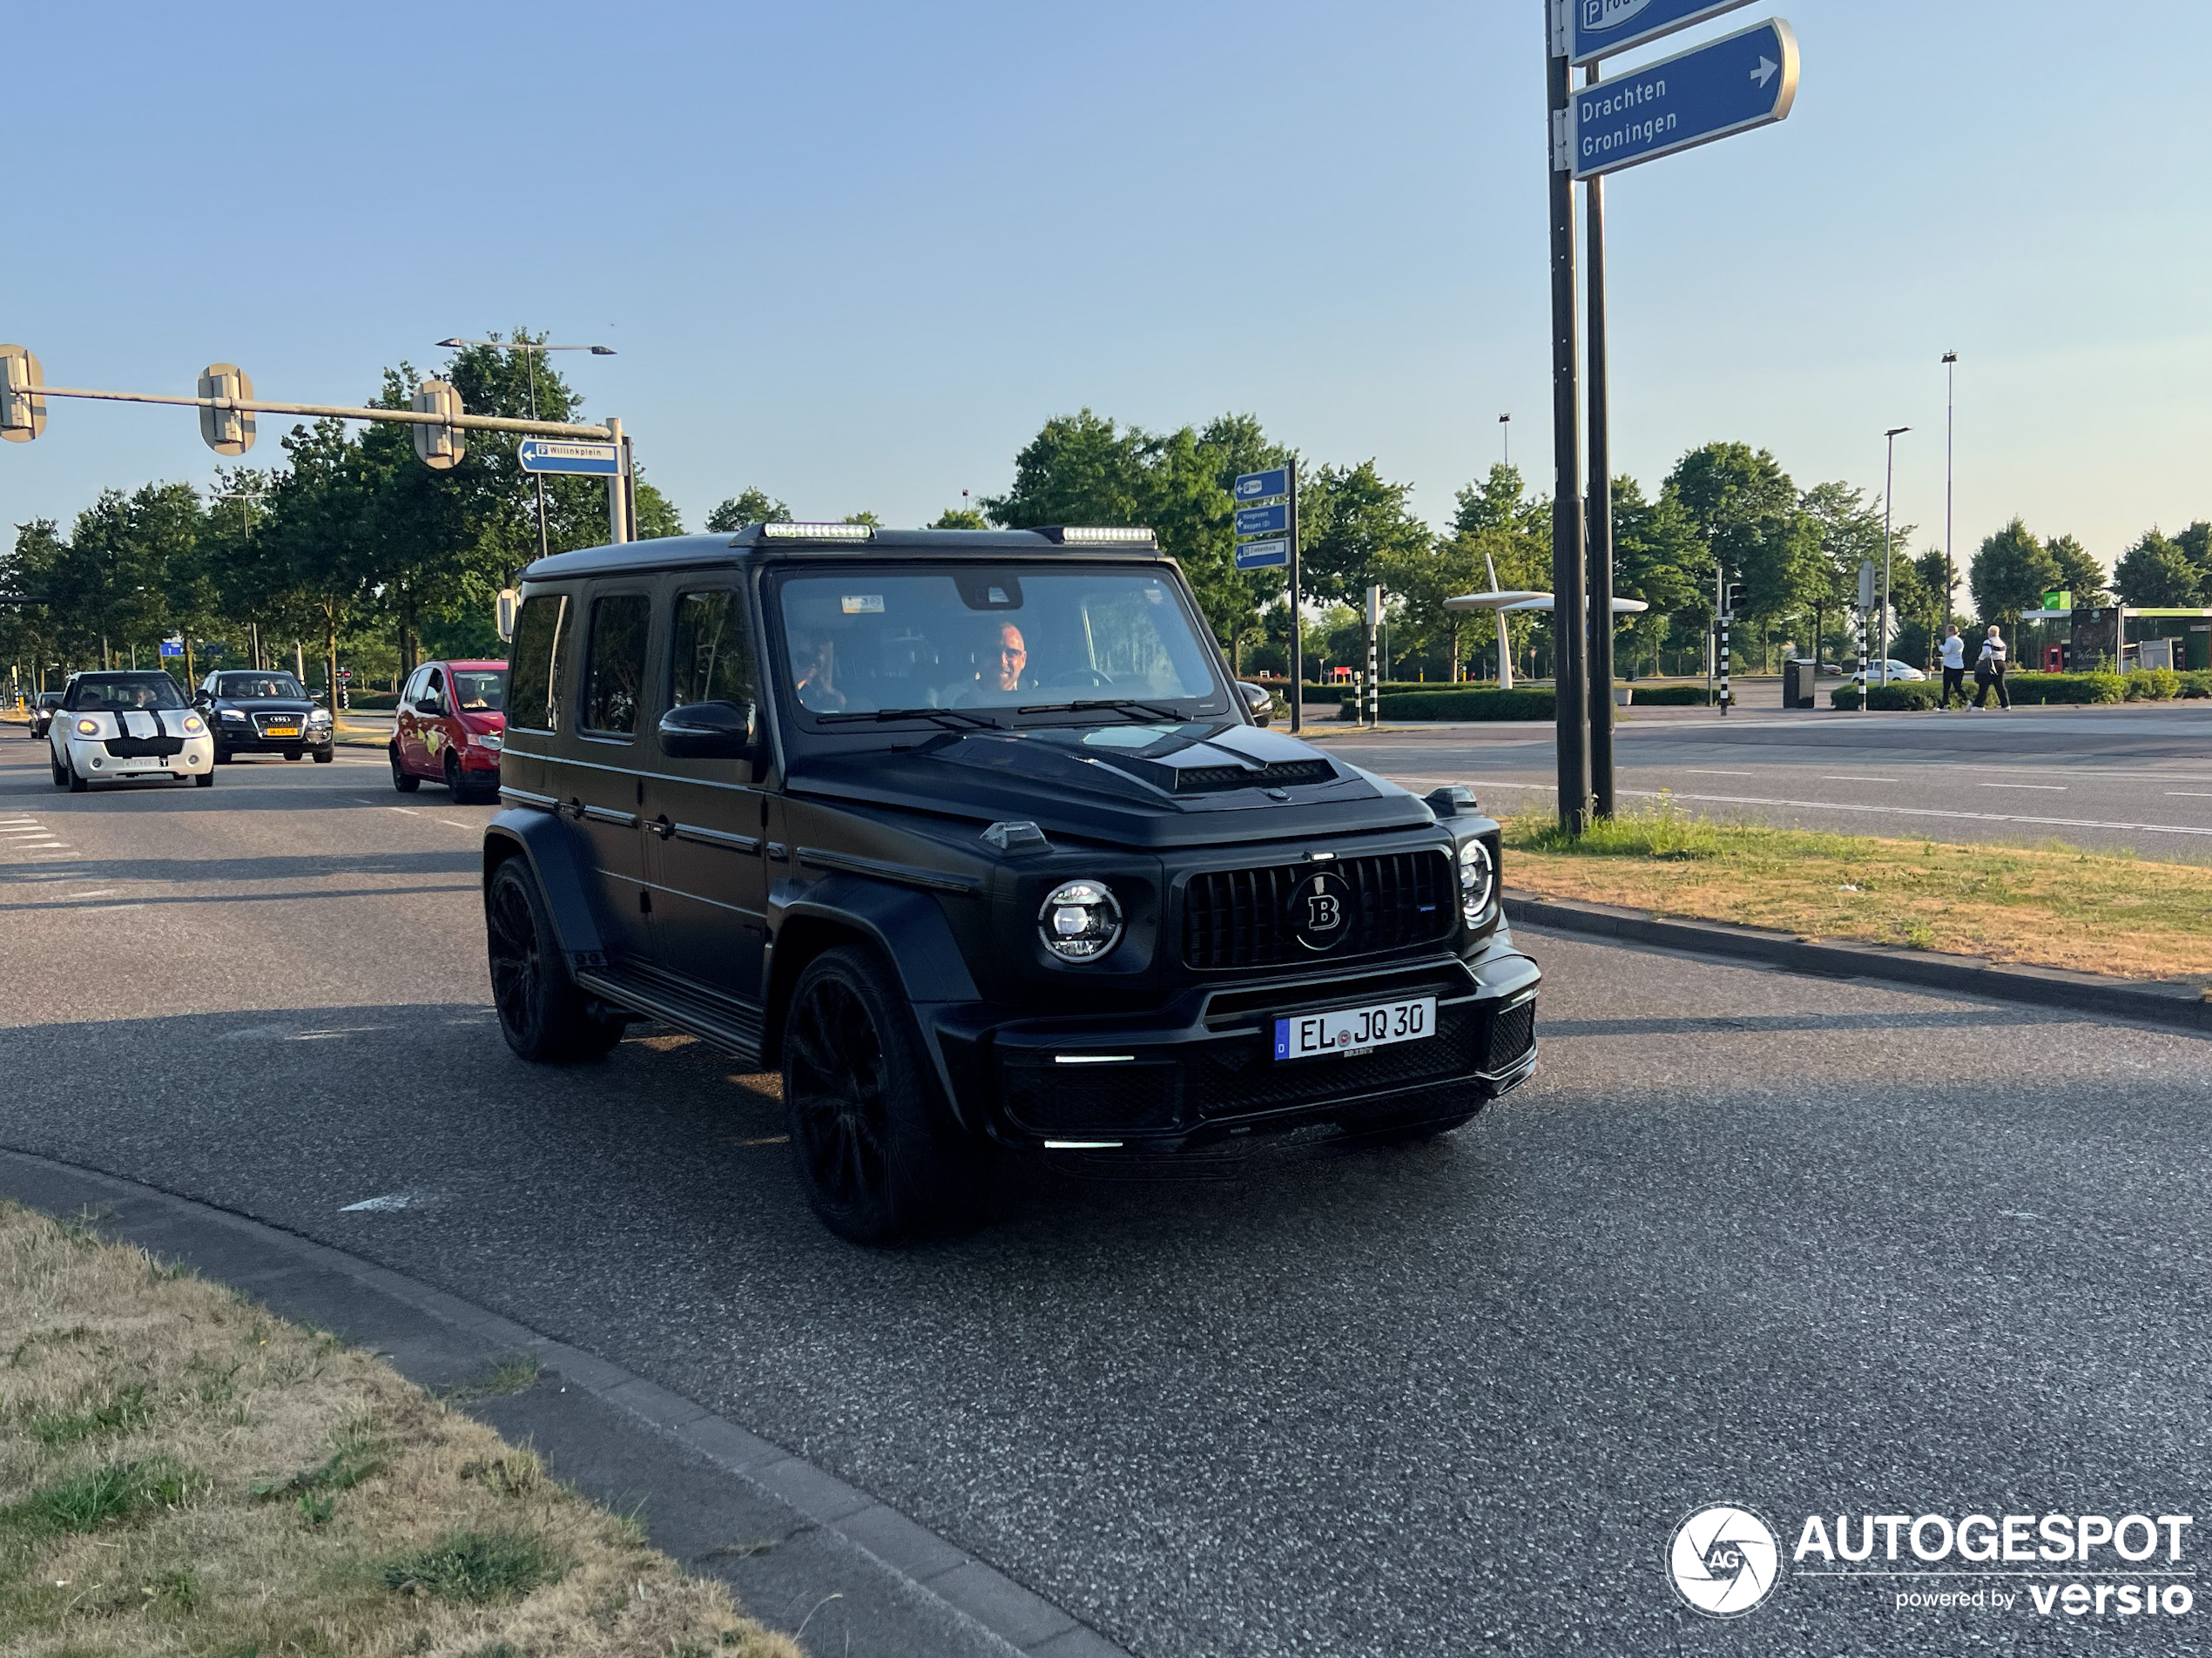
(1236, 918)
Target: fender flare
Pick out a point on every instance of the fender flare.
(550, 847)
(908, 926)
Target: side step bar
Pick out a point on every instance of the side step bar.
(730, 1026)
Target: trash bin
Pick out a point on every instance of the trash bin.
(1797, 683)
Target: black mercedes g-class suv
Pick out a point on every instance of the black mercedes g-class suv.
(970, 834)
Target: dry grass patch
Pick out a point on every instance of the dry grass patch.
(2054, 907)
(182, 1473)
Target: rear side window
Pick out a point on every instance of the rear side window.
(711, 663)
(614, 677)
(534, 675)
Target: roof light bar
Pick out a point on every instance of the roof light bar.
(1095, 534)
(818, 532)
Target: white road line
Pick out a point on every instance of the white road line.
(99, 892)
(1700, 771)
(2189, 794)
(1426, 783)
(410, 811)
(1857, 779)
(2052, 788)
(450, 823)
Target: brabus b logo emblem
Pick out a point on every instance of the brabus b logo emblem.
(1320, 911)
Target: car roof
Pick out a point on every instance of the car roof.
(471, 664)
(760, 541)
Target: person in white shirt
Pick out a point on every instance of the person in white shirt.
(1989, 671)
(1954, 666)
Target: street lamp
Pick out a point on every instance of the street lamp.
(1889, 488)
(1505, 432)
(529, 370)
(1949, 401)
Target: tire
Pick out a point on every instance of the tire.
(455, 785)
(295, 754)
(542, 1013)
(61, 772)
(203, 780)
(78, 784)
(404, 781)
(222, 757)
(325, 756)
(877, 1152)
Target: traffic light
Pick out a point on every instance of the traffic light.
(1734, 599)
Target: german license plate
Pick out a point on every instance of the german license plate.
(1355, 1030)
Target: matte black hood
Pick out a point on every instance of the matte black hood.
(1204, 783)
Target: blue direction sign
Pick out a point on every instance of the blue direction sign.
(1276, 481)
(173, 647)
(1603, 27)
(1264, 521)
(1731, 85)
(560, 454)
(1263, 555)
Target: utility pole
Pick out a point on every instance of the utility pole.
(1889, 484)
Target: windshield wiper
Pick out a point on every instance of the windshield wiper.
(1149, 710)
(958, 718)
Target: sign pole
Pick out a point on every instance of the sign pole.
(1570, 610)
(1599, 507)
(1298, 632)
(617, 528)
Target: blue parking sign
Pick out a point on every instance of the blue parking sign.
(1260, 486)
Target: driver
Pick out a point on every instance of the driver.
(1002, 669)
(813, 659)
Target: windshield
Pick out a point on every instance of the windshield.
(113, 692)
(477, 691)
(1016, 639)
(261, 684)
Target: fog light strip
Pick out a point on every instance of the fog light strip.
(1094, 1059)
(1083, 1145)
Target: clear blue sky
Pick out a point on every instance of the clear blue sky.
(856, 251)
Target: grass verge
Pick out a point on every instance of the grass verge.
(2052, 905)
(181, 1474)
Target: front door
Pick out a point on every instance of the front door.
(602, 786)
(407, 724)
(702, 817)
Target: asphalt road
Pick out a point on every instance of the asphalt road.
(2133, 776)
(1814, 1246)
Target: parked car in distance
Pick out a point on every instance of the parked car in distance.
(1898, 671)
(264, 710)
(450, 727)
(971, 834)
(120, 725)
(42, 711)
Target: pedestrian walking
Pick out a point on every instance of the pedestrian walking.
(1954, 666)
(1989, 671)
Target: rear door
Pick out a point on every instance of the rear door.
(602, 783)
(702, 817)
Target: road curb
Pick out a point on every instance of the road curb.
(2158, 1002)
(934, 1597)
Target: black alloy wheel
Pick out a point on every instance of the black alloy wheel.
(877, 1152)
(402, 779)
(542, 1013)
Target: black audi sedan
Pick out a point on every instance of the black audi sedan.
(264, 710)
(42, 713)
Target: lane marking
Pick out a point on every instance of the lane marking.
(1857, 779)
(410, 811)
(451, 824)
(1700, 771)
(2189, 794)
(2052, 788)
(1834, 806)
(102, 892)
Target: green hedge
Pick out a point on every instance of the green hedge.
(2035, 689)
(372, 701)
(1913, 694)
(1467, 704)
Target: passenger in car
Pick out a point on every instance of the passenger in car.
(814, 661)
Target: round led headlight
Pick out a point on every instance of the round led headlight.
(195, 725)
(1478, 880)
(1079, 920)
(88, 728)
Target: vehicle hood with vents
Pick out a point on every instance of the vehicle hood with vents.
(1204, 783)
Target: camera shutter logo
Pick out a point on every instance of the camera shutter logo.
(1724, 1561)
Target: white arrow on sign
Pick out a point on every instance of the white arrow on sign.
(1767, 70)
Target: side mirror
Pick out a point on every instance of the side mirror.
(1260, 702)
(710, 731)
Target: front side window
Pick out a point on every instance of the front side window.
(1030, 642)
(251, 685)
(535, 666)
(614, 677)
(434, 689)
(710, 663)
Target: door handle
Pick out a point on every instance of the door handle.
(662, 826)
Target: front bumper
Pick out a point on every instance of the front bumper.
(119, 760)
(242, 740)
(1202, 1069)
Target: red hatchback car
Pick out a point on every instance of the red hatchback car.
(449, 728)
